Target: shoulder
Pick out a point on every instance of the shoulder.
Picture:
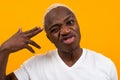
(40, 59)
(97, 55)
(35, 65)
(101, 63)
(98, 58)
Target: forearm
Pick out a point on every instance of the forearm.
(3, 62)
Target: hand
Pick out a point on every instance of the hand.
(21, 40)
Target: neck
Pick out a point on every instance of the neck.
(70, 57)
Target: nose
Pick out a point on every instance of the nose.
(65, 30)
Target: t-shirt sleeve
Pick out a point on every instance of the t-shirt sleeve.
(28, 68)
(22, 73)
(113, 73)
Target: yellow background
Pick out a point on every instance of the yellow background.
(99, 22)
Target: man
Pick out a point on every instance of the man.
(68, 62)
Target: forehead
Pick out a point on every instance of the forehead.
(56, 14)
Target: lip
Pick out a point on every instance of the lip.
(68, 39)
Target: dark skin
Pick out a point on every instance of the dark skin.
(61, 29)
(18, 41)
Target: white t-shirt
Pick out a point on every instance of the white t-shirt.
(90, 66)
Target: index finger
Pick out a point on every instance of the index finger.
(33, 32)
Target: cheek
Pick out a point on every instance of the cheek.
(54, 37)
(76, 28)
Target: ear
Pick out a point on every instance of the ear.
(49, 38)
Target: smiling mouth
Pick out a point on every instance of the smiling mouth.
(68, 40)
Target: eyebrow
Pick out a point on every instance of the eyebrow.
(65, 19)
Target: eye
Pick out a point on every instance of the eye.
(54, 30)
(70, 22)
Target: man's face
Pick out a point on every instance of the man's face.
(62, 29)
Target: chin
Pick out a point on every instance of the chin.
(68, 48)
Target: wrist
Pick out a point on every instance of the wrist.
(3, 50)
